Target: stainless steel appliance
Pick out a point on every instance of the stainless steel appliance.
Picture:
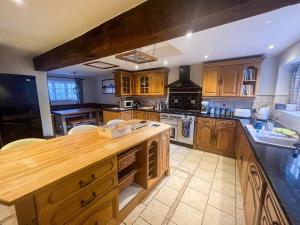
(127, 104)
(183, 126)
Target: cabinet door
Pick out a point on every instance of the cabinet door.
(139, 115)
(211, 81)
(230, 77)
(143, 84)
(224, 139)
(157, 84)
(264, 219)
(252, 203)
(110, 115)
(126, 84)
(163, 159)
(126, 115)
(204, 137)
(152, 116)
(244, 162)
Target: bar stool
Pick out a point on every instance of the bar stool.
(21, 142)
(81, 128)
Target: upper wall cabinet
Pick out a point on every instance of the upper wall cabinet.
(234, 78)
(141, 83)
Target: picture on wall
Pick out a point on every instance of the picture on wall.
(108, 86)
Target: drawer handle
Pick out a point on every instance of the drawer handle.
(275, 223)
(83, 184)
(253, 171)
(89, 200)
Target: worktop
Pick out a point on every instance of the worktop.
(27, 169)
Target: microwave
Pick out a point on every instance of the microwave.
(128, 104)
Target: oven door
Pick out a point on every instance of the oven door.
(173, 131)
(186, 137)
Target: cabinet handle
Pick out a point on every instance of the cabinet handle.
(275, 223)
(253, 171)
(83, 184)
(84, 203)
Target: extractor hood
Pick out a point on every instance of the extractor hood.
(184, 84)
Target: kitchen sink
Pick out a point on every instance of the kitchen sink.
(271, 138)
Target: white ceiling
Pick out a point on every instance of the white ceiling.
(36, 26)
(246, 37)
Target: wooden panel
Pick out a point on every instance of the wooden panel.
(258, 179)
(244, 160)
(264, 219)
(80, 201)
(110, 115)
(230, 77)
(26, 212)
(153, 116)
(228, 123)
(164, 152)
(204, 136)
(124, 83)
(102, 212)
(224, 139)
(206, 121)
(157, 84)
(273, 210)
(126, 115)
(139, 115)
(58, 193)
(132, 29)
(211, 78)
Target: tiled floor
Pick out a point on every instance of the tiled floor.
(203, 189)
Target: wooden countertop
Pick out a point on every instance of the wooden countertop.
(25, 170)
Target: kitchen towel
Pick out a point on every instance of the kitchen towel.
(186, 124)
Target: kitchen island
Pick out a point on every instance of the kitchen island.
(80, 178)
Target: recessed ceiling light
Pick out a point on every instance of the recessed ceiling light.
(271, 46)
(165, 63)
(136, 67)
(189, 34)
(268, 21)
(18, 2)
(206, 56)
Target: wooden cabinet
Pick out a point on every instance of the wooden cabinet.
(157, 84)
(139, 115)
(231, 78)
(216, 135)
(143, 84)
(113, 115)
(124, 83)
(153, 116)
(164, 152)
(211, 78)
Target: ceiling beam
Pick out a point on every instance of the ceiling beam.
(152, 22)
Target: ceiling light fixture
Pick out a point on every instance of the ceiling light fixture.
(268, 21)
(189, 34)
(136, 67)
(206, 56)
(18, 2)
(165, 63)
(271, 46)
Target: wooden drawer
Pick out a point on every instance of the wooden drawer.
(272, 210)
(102, 212)
(49, 198)
(257, 177)
(229, 123)
(80, 202)
(206, 120)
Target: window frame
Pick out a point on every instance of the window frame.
(65, 90)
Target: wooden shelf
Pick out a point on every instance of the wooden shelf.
(128, 194)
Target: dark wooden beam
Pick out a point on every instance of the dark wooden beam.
(152, 22)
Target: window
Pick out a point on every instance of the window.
(62, 90)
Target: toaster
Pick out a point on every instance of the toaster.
(244, 113)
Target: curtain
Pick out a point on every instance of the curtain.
(295, 88)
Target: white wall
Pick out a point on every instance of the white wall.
(14, 62)
(89, 90)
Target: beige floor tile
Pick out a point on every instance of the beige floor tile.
(226, 168)
(239, 201)
(195, 199)
(149, 198)
(167, 195)
(214, 216)
(207, 166)
(240, 217)
(134, 214)
(201, 185)
(188, 165)
(140, 221)
(186, 215)
(181, 174)
(222, 202)
(224, 187)
(183, 151)
(227, 160)
(193, 158)
(171, 223)
(162, 182)
(177, 156)
(209, 159)
(225, 176)
(211, 155)
(175, 182)
(174, 162)
(155, 212)
(204, 174)
(198, 153)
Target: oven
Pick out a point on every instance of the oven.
(173, 122)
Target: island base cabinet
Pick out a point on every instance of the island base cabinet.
(164, 153)
(103, 212)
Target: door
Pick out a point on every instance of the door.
(139, 115)
(204, 137)
(164, 153)
(230, 77)
(211, 81)
(224, 139)
(152, 116)
(157, 84)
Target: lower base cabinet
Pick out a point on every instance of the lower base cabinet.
(111, 115)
